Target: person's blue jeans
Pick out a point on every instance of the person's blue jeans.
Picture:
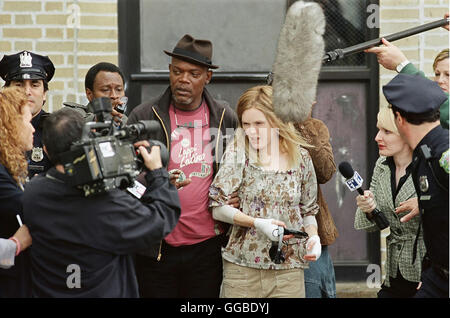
(320, 281)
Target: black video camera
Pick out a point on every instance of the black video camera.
(105, 158)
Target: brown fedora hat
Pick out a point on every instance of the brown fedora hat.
(193, 51)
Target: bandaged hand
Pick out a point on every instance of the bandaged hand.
(313, 248)
(269, 227)
(366, 202)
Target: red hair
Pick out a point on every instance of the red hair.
(12, 102)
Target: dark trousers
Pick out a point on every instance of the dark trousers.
(399, 288)
(190, 271)
(434, 284)
(15, 282)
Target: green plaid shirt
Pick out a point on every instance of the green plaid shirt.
(400, 242)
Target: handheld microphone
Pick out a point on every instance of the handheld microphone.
(298, 61)
(354, 182)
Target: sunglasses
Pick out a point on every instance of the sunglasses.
(275, 252)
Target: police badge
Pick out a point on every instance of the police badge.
(37, 154)
(423, 183)
(25, 59)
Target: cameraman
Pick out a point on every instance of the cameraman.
(83, 246)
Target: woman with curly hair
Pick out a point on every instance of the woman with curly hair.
(274, 176)
(16, 137)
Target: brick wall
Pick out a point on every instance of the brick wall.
(421, 49)
(47, 27)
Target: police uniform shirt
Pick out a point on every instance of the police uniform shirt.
(433, 198)
(38, 161)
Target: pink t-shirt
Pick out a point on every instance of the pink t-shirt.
(191, 153)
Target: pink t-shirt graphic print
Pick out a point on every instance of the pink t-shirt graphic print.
(191, 152)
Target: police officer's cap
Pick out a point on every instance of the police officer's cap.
(26, 65)
(414, 93)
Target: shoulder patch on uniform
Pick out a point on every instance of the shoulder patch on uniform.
(443, 162)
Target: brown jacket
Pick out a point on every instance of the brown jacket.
(316, 133)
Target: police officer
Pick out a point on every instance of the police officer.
(32, 72)
(415, 102)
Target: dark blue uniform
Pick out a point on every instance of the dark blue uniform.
(38, 161)
(430, 176)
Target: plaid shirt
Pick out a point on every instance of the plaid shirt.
(400, 242)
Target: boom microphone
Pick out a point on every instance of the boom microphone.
(298, 61)
(341, 53)
(354, 182)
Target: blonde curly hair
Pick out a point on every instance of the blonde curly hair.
(12, 102)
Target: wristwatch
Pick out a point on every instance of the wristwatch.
(401, 66)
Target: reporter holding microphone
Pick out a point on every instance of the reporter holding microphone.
(392, 193)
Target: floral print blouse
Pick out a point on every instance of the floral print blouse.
(287, 196)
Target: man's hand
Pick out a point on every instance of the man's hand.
(173, 177)
(233, 200)
(408, 205)
(152, 160)
(446, 26)
(388, 55)
(366, 202)
(117, 117)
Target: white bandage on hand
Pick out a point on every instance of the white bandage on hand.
(267, 227)
(224, 213)
(316, 248)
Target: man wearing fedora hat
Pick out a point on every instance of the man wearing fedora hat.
(195, 128)
(32, 72)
